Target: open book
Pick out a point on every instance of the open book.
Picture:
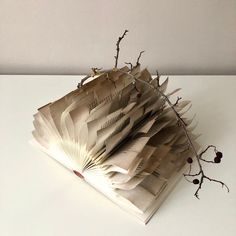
(120, 136)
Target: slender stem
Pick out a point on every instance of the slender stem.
(140, 54)
(118, 47)
(210, 146)
(198, 157)
(177, 101)
(130, 64)
(180, 121)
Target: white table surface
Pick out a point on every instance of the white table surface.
(39, 197)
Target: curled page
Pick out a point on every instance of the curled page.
(118, 134)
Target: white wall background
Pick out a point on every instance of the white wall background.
(71, 36)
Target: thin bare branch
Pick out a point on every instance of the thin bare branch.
(177, 101)
(209, 146)
(199, 187)
(158, 78)
(118, 47)
(198, 157)
(140, 54)
(218, 181)
(206, 160)
(192, 175)
(130, 64)
(96, 70)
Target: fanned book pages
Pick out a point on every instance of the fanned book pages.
(119, 135)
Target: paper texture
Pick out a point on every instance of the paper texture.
(120, 136)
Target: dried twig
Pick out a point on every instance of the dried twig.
(198, 157)
(158, 78)
(177, 101)
(140, 54)
(130, 64)
(95, 70)
(118, 47)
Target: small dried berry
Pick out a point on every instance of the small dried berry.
(219, 154)
(196, 181)
(190, 160)
(217, 159)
